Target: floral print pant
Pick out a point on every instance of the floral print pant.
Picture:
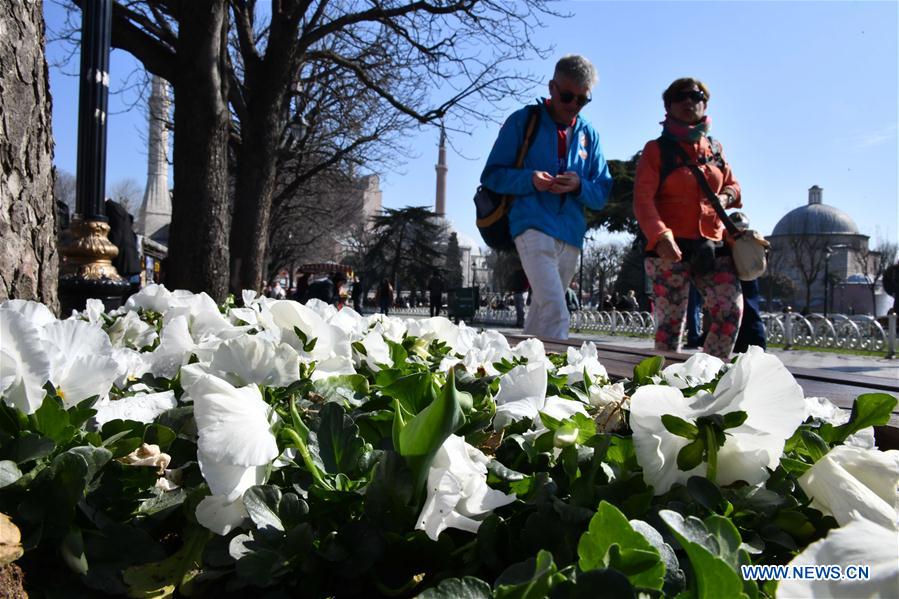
(723, 297)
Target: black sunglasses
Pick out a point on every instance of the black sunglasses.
(693, 95)
(567, 97)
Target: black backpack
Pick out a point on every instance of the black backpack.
(491, 208)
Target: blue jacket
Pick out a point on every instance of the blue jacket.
(561, 217)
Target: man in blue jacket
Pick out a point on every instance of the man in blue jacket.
(564, 171)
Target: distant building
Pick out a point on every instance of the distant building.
(155, 212)
(821, 240)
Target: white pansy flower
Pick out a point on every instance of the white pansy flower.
(24, 363)
(859, 543)
(458, 494)
(175, 347)
(533, 351)
(349, 321)
(377, 352)
(34, 312)
(332, 352)
(152, 297)
(393, 329)
(205, 322)
(458, 338)
(252, 359)
(757, 384)
(141, 408)
(81, 360)
(851, 481)
(235, 446)
(522, 394)
(580, 360)
(131, 365)
(131, 331)
(219, 515)
(823, 410)
(699, 369)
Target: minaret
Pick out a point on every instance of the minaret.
(441, 168)
(156, 209)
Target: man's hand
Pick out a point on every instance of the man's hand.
(667, 248)
(542, 180)
(567, 182)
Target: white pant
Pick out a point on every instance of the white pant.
(550, 265)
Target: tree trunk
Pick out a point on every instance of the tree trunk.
(201, 213)
(253, 202)
(267, 83)
(29, 262)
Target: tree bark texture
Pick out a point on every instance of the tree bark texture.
(29, 262)
(201, 215)
(267, 86)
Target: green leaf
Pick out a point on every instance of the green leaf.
(52, 421)
(350, 388)
(611, 541)
(157, 434)
(398, 354)
(530, 579)
(734, 419)
(713, 577)
(9, 473)
(263, 503)
(815, 446)
(159, 580)
(690, 455)
(414, 391)
(339, 444)
(646, 369)
(31, 446)
(869, 409)
(707, 494)
(459, 588)
(423, 435)
(680, 427)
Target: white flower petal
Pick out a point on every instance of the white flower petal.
(522, 393)
(229, 480)
(849, 481)
(458, 494)
(234, 425)
(859, 542)
(141, 408)
(699, 369)
(251, 359)
(34, 312)
(24, 364)
(220, 515)
(655, 447)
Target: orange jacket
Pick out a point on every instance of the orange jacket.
(681, 206)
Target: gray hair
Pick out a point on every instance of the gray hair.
(577, 68)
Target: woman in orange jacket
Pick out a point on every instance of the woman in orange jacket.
(684, 234)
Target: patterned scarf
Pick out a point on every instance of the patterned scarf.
(681, 131)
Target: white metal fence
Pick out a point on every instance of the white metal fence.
(787, 328)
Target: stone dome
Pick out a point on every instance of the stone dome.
(816, 218)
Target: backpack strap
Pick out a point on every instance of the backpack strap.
(530, 134)
(671, 157)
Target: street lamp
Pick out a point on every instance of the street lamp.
(87, 270)
(828, 252)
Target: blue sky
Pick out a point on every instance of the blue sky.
(803, 93)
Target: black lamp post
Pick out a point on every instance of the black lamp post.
(828, 252)
(87, 270)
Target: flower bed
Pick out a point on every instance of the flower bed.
(179, 447)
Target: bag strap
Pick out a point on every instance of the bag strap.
(711, 195)
(530, 133)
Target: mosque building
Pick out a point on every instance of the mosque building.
(818, 241)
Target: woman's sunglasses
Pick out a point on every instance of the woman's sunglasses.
(693, 95)
(567, 97)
